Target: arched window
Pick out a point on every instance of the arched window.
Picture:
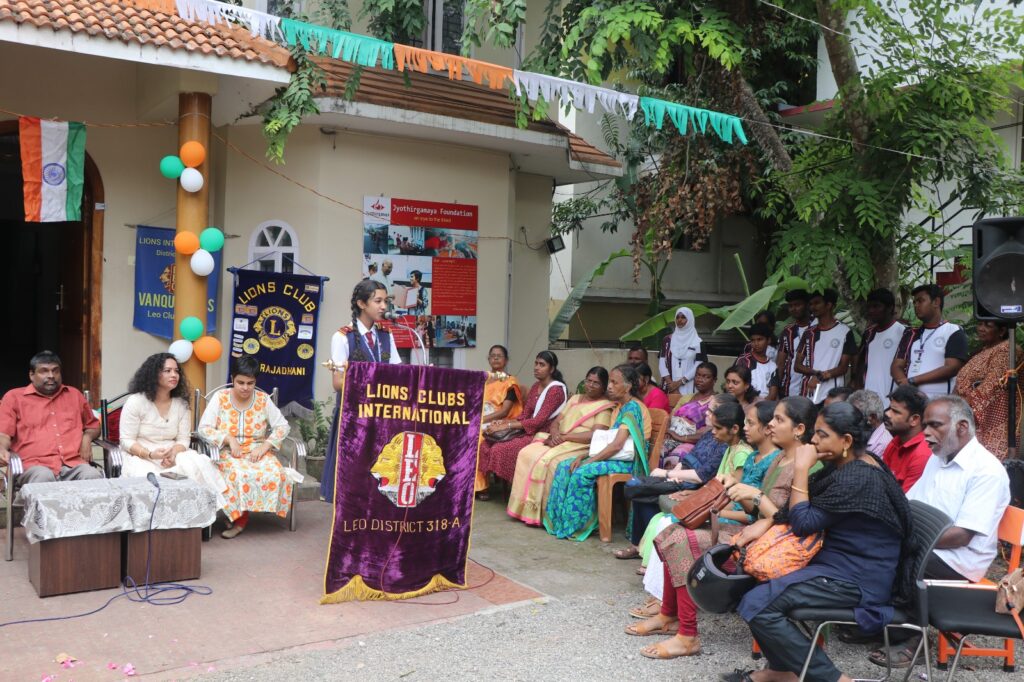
(273, 247)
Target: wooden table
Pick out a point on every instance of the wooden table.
(75, 564)
(176, 555)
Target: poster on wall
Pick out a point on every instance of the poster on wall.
(274, 318)
(425, 254)
(154, 283)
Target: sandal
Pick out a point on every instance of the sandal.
(902, 657)
(628, 553)
(658, 651)
(637, 629)
(483, 496)
(232, 532)
(650, 609)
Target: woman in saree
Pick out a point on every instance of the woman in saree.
(246, 425)
(571, 511)
(570, 435)
(502, 399)
(689, 421)
(544, 402)
(678, 547)
(982, 384)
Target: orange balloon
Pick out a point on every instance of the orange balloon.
(186, 243)
(207, 349)
(192, 154)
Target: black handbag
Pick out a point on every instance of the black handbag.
(649, 488)
(503, 435)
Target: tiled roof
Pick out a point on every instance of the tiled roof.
(435, 94)
(148, 22)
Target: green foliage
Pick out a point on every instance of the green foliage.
(653, 326)
(491, 21)
(398, 21)
(284, 111)
(317, 428)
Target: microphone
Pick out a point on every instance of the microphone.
(151, 477)
(393, 317)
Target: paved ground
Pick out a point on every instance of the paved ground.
(263, 621)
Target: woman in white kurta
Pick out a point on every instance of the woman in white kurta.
(247, 427)
(156, 427)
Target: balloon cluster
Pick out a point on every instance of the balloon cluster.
(184, 169)
(206, 348)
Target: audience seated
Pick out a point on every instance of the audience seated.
(571, 510)
(49, 425)
(689, 421)
(570, 436)
(545, 401)
(870, 405)
(503, 398)
(866, 521)
(763, 488)
(156, 427)
(907, 452)
(246, 425)
(970, 485)
(738, 381)
(651, 396)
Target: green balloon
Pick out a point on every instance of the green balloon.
(191, 328)
(211, 239)
(171, 167)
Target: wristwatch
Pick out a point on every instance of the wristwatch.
(911, 382)
(756, 511)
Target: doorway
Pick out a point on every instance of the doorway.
(50, 280)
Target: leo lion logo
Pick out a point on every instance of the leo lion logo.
(409, 468)
(274, 326)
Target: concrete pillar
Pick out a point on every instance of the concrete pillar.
(193, 216)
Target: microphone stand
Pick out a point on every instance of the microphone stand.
(393, 319)
(1012, 388)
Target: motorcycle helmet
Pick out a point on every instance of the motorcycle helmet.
(713, 588)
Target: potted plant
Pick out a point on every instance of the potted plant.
(315, 431)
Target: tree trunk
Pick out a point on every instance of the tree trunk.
(845, 70)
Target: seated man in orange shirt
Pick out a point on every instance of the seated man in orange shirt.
(49, 425)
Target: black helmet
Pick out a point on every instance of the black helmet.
(711, 587)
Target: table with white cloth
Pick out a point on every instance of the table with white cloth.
(88, 535)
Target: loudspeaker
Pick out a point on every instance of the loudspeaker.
(998, 276)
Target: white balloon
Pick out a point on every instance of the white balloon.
(202, 262)
(191, 180)
(181, 350)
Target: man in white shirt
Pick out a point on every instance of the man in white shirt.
(881, 340)
(384, 278)
(826, 348)
(968, 483)
(930, 356)
(787, 378)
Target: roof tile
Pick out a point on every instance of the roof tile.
(153, 22)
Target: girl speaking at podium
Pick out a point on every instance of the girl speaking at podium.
(362, 341)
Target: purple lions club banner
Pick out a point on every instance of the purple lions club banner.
(407, 447)
(274, 318)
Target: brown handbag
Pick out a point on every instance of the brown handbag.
(694, 511)
(1010, 597)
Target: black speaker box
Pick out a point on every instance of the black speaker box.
(998, 275)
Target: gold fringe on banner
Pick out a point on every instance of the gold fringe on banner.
(357, 590)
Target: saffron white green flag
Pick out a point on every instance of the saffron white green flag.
(53, 169)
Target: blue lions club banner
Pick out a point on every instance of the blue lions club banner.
(274, 318)
(154, 283)
(407, 447)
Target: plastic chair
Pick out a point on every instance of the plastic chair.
(929, 525)
(213, 452)
(606, 484)
(969, 610)
(1011, 530)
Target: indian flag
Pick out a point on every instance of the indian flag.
(53, 168)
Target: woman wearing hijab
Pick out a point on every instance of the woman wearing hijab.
(681, 352)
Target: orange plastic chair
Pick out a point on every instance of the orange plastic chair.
(606, 484)
(1011, 528)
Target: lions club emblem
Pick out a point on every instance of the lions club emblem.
(274, 326)
(409, 468)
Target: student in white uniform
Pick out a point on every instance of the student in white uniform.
(681, 352)
(788, 380)
(826, 348)
(762, 367)
(362, 341)
(930, 356)
(873, 368)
